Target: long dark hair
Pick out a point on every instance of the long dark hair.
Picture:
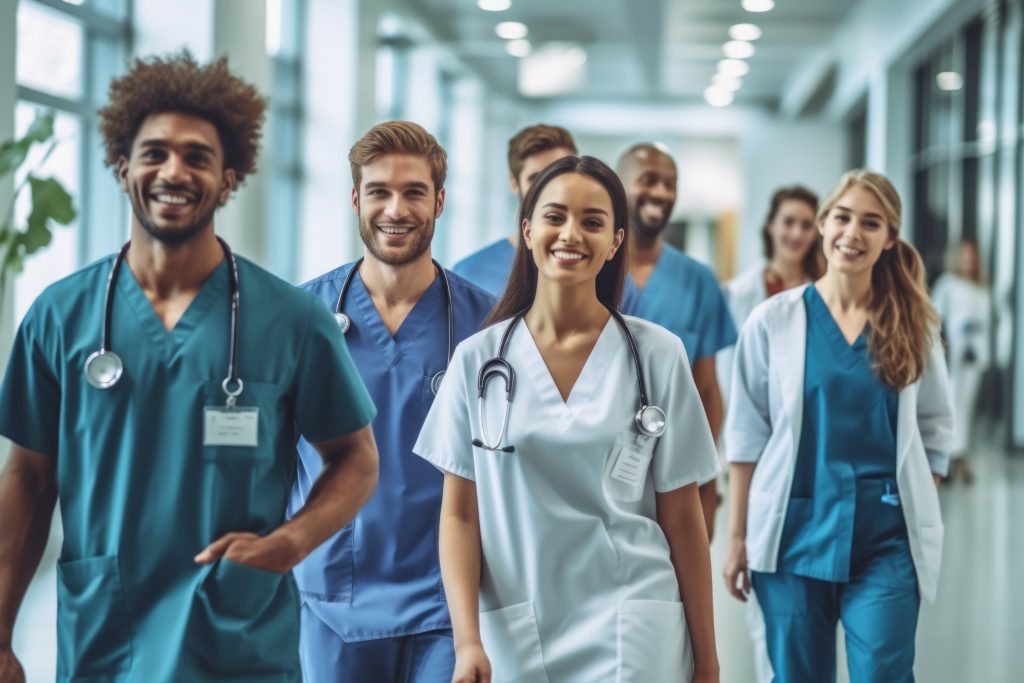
(522, 282)
(813, 262)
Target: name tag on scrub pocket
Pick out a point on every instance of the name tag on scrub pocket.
(631, 466)
(231, 426)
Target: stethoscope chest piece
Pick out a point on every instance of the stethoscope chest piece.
(651, 421)
(103, 369)
(344, 322)
(435, 382)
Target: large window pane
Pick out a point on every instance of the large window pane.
(50, 50)
(60, 258)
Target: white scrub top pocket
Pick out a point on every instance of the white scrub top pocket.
(512, 644)
(629, 461)
(653, 642)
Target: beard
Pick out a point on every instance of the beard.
(418, 245)
(645, 229)
(172, 237)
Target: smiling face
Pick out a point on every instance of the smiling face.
(175, 178)
(855, 232)
(571, 231)
(397, 207)
(532, 166)
(650, 181)
(792, 231)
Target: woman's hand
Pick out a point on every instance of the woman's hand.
(471, 665)
(735, 572)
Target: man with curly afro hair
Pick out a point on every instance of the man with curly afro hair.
(158, 394)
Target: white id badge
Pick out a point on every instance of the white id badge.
(231, 426)
(631, 466)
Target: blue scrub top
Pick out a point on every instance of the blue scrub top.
(139, 492)
(379, 577)
(683, 296)
(490, 267)
(847, 447)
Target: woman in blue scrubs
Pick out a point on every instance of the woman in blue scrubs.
(838, 430)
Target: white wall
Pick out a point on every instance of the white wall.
(161, 27)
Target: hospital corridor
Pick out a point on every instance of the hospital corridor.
(494, 341)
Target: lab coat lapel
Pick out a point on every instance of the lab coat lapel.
(789, 355)
(906, 423)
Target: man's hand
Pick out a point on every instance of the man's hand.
(273, 553)
(10, 667)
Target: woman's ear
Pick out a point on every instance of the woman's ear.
(526, 233)
(620, 235)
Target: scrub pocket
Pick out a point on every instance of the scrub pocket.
(244, 620)
(94, 633)
(512, 644)
(326, 573)
(653, 642)
(627, 465)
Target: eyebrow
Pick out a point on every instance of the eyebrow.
(196, 146)
(563, 207)
(870, 214)
(379, 184)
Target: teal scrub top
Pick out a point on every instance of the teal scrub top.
(683, 296)
(847, 449)
(140, 494)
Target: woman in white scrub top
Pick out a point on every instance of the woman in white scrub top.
(582, 555)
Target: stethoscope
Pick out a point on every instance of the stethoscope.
(650, 420)
(103, 367)
(345, 322)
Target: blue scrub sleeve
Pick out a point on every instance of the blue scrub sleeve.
(445, 440)
(330, 397)
(935, 409)
(718, 330)
(748, 424)
(30, 394)
(685, 453)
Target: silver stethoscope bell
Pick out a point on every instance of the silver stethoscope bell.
(651, 420)
(103, 369)
(435, 382)
(344, 322)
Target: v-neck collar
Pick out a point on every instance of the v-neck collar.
(849, 354)
(563, 413)
(391, 346)
(170, 342)
(654, 271)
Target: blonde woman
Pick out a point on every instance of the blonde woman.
(839, 428)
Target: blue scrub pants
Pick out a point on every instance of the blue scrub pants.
(878, 608)
(421, 658)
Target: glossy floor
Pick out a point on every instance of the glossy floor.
(972, 633)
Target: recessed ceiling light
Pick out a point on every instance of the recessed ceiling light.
(494, 5)
(738, 49)
(511, 30)
(758, 5)
(733, 67)
(519, 48)
(744, 32)
(730, 83)
(718, 97)
(949, 80)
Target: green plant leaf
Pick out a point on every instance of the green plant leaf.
(50, 198)
(14, 152)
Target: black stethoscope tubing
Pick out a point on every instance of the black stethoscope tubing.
(345, 322)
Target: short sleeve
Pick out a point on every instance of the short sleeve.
(445, 440)
(330, 397)
(685, 453)
(748, 421)
(30, 395)
(717, 326)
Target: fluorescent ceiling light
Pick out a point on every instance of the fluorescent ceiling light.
(758, 5)
(519, 48)
(733, 67)
(949, 81)
(552, 69)
(730, 83)
(744, 32)
(738, 49)
(718, 97)
(511, 30)
(494, 5)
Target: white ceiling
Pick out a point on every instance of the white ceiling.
(650, 49)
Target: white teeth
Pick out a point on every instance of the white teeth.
(567, 255)
(171, 199)
(388, 230)
(849, 251)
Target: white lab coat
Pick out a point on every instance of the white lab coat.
(576, 583)
(965, 308)
(764, 422)
(742, 294)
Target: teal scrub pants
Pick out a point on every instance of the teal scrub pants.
(878, 608)
(420, 658)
